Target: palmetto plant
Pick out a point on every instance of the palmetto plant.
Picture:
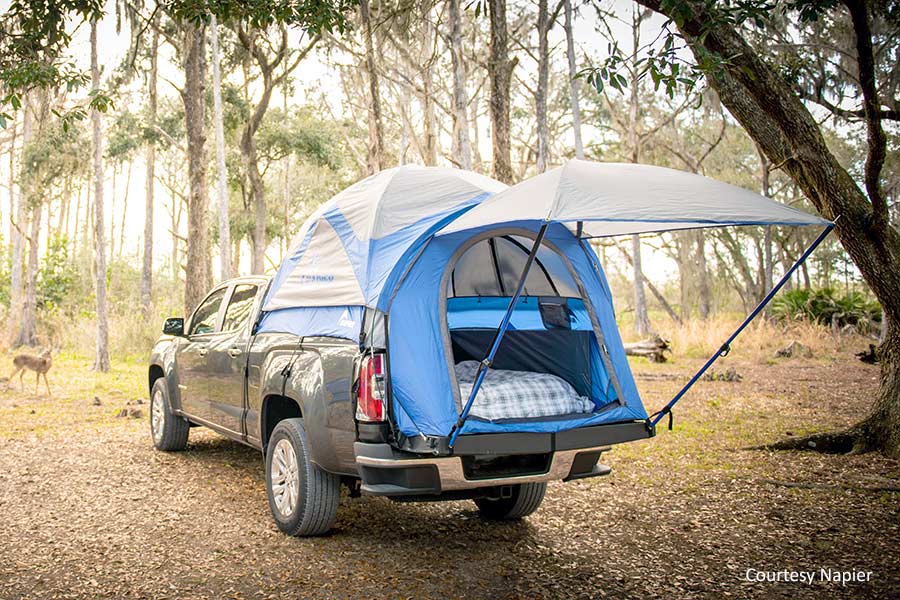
(826, 307)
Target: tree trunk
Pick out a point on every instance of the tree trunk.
(101, 359)
(573, 80)
(124, 210)
(16, 293)
(641, 319)
(477, 162)
(285, 179)
(12, 184)
(258, 194)
(198, 271)
(768, 279)
(641, 316)
(704, 296)
(540, 99)
(462, 147)
(430, 145)
(684, 261)
(221, 173)
(150, 181)
(27, 335)
(500, 69)
(772, 113)
(112, 212)
(62, 216)
(376, 129)
(657, 294)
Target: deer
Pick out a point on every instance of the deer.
(40, 364)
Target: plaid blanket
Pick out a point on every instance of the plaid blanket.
(519, 394)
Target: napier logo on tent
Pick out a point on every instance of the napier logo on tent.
(346, 320)
(313, 277)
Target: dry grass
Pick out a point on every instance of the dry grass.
(74, 386)
(698, 338)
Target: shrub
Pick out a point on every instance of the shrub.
(826, 307)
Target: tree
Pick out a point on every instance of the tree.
(225, 268)
(150, 180)
(255, 42)
(101, 359)
(500, 69)
(462, 147)
(198, 275)
(573, 80)
(33, 40)
(376, 128)
(540, 99)
(771, 109)
(19, 221)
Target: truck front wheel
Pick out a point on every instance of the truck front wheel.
(525, 499)
(169, 431)
(303, 498)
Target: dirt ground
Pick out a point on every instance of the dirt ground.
(90, 510)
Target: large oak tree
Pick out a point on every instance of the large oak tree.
(769, 102)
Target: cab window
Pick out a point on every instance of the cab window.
(205, 316)
(239, 307)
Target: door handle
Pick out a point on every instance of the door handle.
(202, 351)
(234, 352)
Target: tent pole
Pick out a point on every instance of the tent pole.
(498, 336)
(726, 347)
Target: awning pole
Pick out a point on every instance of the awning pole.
(724, 348)
(498, 337)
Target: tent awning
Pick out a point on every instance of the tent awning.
(625, 198)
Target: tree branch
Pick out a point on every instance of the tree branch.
(877, 146)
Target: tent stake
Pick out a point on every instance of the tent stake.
(658, 416)
(498, 337)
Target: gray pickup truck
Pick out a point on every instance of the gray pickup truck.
(306, 403)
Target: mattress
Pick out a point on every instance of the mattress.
(519, 394)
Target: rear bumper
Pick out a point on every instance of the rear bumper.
(532, 457)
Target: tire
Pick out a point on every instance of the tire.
(303, 498)
(168, 431)
(525, 499)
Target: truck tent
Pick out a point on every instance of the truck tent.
(345, 254)
(464, 271)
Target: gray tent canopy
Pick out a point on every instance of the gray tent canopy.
(607, 199)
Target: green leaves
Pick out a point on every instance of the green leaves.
(663, 63)
(315, 16)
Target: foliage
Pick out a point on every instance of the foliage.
(56, 275)
(826, 307)
(315, 16)
(33, 40)
(125, 137)
(55, 153)
(764, 22)
(300, 134)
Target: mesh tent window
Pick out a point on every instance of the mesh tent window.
(492, 267)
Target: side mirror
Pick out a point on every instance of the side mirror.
(174, 326)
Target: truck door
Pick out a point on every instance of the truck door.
(191, 362)
(227, 358)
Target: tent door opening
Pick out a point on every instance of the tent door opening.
(548, 363)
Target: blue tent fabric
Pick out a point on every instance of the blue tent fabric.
(420, 364)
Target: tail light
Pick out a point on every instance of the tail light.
(370, 396)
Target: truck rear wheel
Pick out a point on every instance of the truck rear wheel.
(303, 498)
(525, 499)
(169, 431)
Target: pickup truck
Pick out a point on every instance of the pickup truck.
(314, 407)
